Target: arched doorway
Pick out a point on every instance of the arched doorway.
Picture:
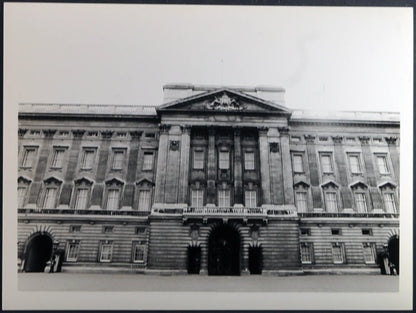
(224, 251)
(393, 246)
(38, 252)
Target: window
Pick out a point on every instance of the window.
(301, 201)
(369, 253)
(306, 252)
(389, 202)
(50, 198)
(118, 159)
(198, 159)
(108, 229)
(144, 200)
(72, 251)
(338, 253)
(326, 163)
(367, 232)
(354, 160)
(331, 201)
(147, 161)
(21, 194)
(224, 160)
(335, 231)
(140, 230)
(139, 252)
(106, 251)
(197, 198)
(81, 199)
(58, 158)
(223, 198)
(88, 159)
(150, 135)
(28, 157)
(74, 228)
(113, 198)
(297, 160)
(360, 202)
(305, 231)
(250, 198)
(382, 164)
(249, 160)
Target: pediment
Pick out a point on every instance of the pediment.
(52, 180)
(223, 101)
(84, 180)
(114, 181)
(145, 181)
(329, 184)
(358, 184)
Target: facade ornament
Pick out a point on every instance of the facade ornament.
(364, 139)
(310, 138)
(274, 147)
(49, 132)
(164, 128)
(107, 134)
(225, 103)
(284, 131)
(136, 134)
(78, 132)
(186, 129)
(263, 130)
(337, 139)
(174, 145)
(22, 132)
(391, 140)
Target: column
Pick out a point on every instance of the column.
(394, 155)
(184, 164)
(212, 167)
(314, 171)
(264, 165)
(161, 164)
(238, 172)
(342, 172)
(287, 166)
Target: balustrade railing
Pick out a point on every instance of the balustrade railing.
(83, 212)
(224, 211)
(345, 214)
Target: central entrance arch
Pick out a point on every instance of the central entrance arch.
(224, 251)
(38, 252)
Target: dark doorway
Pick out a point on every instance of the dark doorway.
(394, 252)
(224, 251)
(194, 259)
(38, 252)
(255, 260)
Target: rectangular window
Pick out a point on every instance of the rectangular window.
(106, 252)
(72, 251)
(360, 202)
(58, 158)
(223, 198)
(335, 231)
(81, 199)
(198, 159)
(88, 159)
(305, 231)
(197, 198)
(389, 202)
(297, 163)
(224, 160)
(139, 252)
(306, 252)
(331, 202)
(301, 201)
(369, 253)
(338, 253)
(21, 193)
(326, 163)
(147, 161)
(382, 164)
(354, 163)
(108, 229)
(250, 198)
(367, 232)
(140, 230)
(28, 157)
(144, 200)
(249, 161)
(118, 159)
(113, 199)
(74, 228)
(50, 198)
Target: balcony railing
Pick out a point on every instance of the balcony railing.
(241, 211)
(347, 214)
(83, 212)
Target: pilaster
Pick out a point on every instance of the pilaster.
(238, 172)
(184, 164)
(314, 171)
(394, 155)
(212, 167)
(161, 164)
(342, 172)
(264, 165)
(287, 166)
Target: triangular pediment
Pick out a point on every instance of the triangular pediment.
(224, 100)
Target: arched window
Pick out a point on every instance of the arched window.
(82, 192)
(361, 197)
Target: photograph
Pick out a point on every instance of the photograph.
(207, 157)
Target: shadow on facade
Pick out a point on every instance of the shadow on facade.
(393, 248)
(38, 252)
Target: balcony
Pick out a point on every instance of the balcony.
(348, 215)
(83, 212)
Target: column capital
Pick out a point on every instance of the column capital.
(364, 140)
(164, 128)
(310, 138)
(186, 129)
(391, 140)
(49, 132)
(284, 131)
(78, 133)
(211, 130)
(106, 134)
(337, 139)
(136, 134)
(262, 130)
(22, 132)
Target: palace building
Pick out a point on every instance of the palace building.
(217, 181)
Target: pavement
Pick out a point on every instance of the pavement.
(252, 283)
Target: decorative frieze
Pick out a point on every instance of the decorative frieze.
(225, 103)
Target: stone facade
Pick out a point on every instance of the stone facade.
(217, 180)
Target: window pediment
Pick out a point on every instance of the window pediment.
(301, 184)
(52, 180)
(23, 180)
(358, 185)
(114, 181)
(387, 185)
(330, 184)
(83, 180)
(144, 182)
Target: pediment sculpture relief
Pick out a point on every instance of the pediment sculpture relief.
(225, 103)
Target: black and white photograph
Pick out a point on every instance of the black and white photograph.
(207, 157)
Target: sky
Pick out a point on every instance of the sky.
(325, 58)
